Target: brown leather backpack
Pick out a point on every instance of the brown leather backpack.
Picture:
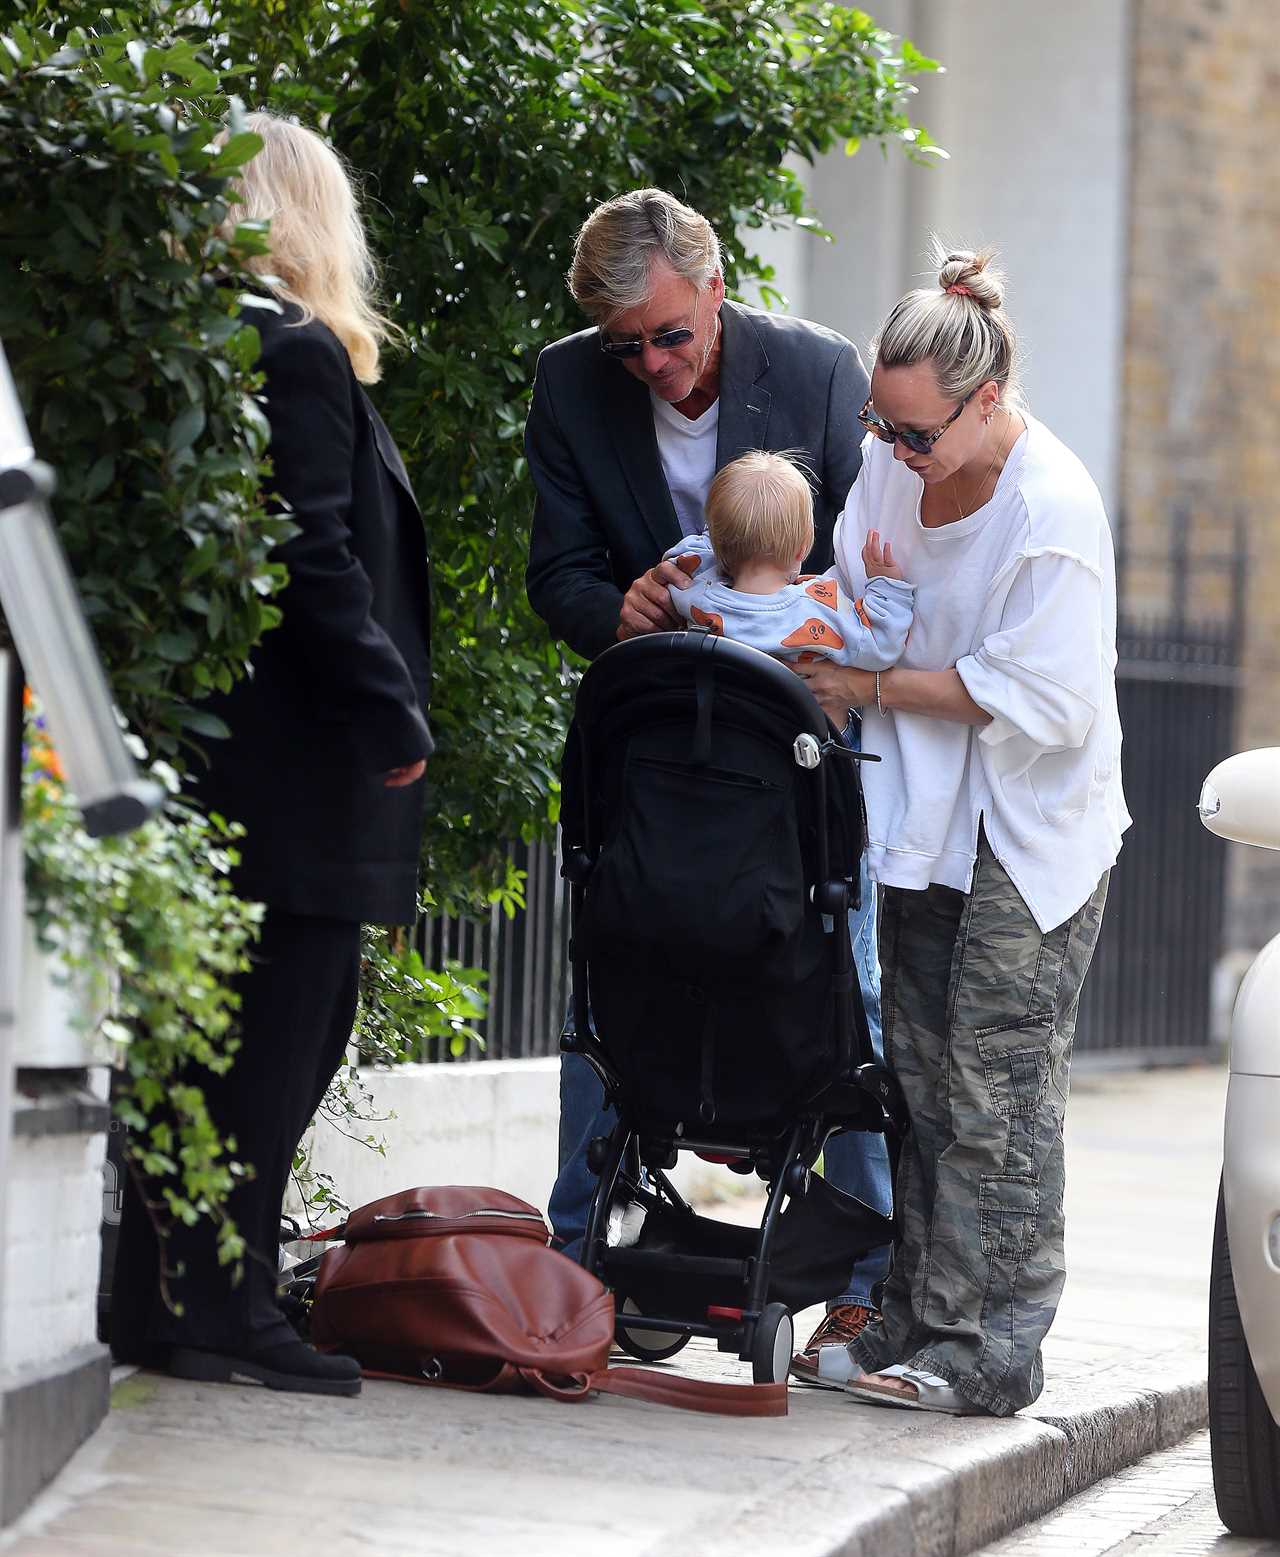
(457, 1286)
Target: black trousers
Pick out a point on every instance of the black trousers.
(297, 1006)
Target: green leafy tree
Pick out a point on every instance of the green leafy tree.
(118, 312)
(484, 133)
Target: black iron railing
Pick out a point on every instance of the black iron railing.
(1149, 988)
(525, 957)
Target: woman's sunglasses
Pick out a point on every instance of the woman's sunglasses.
(917, 442)
(665, 340)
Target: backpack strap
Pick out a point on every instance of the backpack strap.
(664, 1389)
(570, 1386)
(693, 1394)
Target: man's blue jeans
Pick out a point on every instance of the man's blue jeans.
(855, 1161)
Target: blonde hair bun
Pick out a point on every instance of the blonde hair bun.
(981, 278)
(959, 327)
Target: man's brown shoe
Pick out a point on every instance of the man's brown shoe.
(843, 1324)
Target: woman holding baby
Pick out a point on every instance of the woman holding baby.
(995, 814)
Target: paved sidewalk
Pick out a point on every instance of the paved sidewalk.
(209, 1471)
(1161, 1508)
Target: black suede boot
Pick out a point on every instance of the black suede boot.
(285, 1365)
(141, 1354)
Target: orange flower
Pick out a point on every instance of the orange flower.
(45, 757)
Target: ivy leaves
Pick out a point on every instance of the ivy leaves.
(157, 910)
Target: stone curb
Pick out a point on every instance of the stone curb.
(947, 1487)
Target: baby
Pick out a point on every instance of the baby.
(747, 583)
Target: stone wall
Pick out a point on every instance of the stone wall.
(1202, 351)
(52, 1250)
(488, 1122)
(53, 1373)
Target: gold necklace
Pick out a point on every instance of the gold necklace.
(955, 492)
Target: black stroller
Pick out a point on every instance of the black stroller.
(712, 823)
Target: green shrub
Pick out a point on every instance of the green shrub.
(118, 309)
(486, 133)
(118, 314)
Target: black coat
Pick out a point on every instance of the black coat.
(603, 512)
(339, 690)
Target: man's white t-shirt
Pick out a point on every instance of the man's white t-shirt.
(687, 448)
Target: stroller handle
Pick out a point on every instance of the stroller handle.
(690, 644)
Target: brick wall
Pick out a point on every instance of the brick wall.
(1202, 353)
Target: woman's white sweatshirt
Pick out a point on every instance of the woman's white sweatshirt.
(1020, 597)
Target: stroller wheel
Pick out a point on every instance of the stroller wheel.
(649, 1345)
(771, 1345)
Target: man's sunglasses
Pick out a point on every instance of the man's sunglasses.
(917, 442)
(665, 340)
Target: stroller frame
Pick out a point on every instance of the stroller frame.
(862, 1094)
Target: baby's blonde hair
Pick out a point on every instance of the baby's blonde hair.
(759, 508)
(319, 256)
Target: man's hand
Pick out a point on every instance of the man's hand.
(409, 774)
(838, 688)
(646, 606)
(877, 561)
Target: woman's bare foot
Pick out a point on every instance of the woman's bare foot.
(913, 1390)
(888, 1384)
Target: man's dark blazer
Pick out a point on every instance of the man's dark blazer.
(339, 690)
(603, 513)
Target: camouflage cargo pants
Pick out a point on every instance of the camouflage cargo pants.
(979, 1010)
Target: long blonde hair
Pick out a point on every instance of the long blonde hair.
(319, 257)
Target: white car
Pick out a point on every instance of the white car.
(1241, 800)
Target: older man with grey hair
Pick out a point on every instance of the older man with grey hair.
(631, 419)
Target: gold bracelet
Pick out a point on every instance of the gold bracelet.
(879, 704)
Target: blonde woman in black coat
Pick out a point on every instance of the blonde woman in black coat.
(328, 747)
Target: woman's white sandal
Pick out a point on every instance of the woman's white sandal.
(932, 1393)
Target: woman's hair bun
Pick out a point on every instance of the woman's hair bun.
(976, 272)
(958, 326)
